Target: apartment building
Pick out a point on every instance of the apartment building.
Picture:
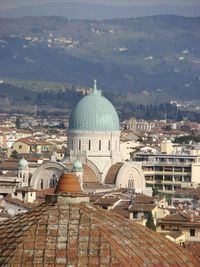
(170, 172)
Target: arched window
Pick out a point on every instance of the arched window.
(108, 145)
(41, 184)
(54, 180)
(79, 144)
(99, 145)
(130, 183)
(72, 144)
(89, 145)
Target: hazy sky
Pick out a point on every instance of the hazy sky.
(7, 4)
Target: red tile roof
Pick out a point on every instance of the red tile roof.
(142, 207)
(194, 248)
(9, 165)
(80, 235)
(32, 141)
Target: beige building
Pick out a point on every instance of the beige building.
(31, 146)
(185, 225)
(170, 172)
(138, 125)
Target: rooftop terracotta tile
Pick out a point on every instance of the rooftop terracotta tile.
(58, 234)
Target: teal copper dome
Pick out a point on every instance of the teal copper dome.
(77, 165)
(23, 163)
(94, 113)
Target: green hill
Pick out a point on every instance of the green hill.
(151, 54)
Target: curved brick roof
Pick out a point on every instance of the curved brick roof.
(112, 173)
(89, 175)
(81, 235)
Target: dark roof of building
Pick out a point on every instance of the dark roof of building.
(9, 165)
(181, 218)
(178, 217)
(141, 207)
(25, 189)
(112, 173)
(80, 235)
(107, 200)
(174, 234)
(121, 210)
(141, 198)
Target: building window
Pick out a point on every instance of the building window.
(79, 144)
(89, 145)
(108, 145)
(135, 215)
(130, 183)
(192, 232)
(20, 146)
(41, 184)
(99, 145)
(72, 144)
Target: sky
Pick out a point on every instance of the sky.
(8, 4)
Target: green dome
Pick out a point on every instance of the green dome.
(94, 113)
(23, 163)
(77, 165)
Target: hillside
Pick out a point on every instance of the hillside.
(78, 10)
(157, 55)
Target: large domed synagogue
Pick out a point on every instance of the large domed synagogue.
(93, 149)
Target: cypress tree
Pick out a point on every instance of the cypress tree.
(150, 222)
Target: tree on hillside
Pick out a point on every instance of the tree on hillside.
(17, 123)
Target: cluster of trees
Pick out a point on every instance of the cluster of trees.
(59, 99)
(150, 112)
(187, 139)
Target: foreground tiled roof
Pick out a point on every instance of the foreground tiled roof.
(80, 235)
(194, 247)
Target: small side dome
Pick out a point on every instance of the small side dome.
(78, 166)
(68, 183)
(23, 163)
